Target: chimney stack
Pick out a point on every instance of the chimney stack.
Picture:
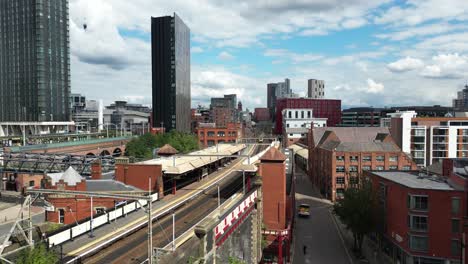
(96, 170)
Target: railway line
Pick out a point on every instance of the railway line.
(133, 247)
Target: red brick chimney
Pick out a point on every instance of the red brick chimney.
(96, 170)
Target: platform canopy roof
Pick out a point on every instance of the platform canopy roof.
(184, 164)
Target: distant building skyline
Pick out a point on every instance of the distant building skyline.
(170, 54)
(34, 61)
(315, 89)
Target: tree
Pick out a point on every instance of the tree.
(234, 260)
(143, 146)
(356, 211)
(37, 255)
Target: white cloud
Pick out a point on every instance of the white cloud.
(293, 57)
(374, 87)
(353, 23)
(416, 12)
(450, 43)
(215, 81)
(421, 31)
(196, 49)
(406, 64)
(450, 66)
(224, 55)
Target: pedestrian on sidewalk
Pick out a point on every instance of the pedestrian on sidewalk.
(304, 249)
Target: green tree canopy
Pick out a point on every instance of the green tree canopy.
(356, 211)
(37, 255)
(142, 147)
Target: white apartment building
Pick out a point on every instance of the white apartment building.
(297, 122)
(429, 139)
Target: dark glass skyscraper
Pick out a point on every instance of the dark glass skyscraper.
(34, 60)
(170, 52)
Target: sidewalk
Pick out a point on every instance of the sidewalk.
(9, 214)
(369, 248)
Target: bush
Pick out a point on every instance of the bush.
(37, 255)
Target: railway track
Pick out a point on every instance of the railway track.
(133, 248)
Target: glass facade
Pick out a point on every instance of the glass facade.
(170, 48)
(34, 60)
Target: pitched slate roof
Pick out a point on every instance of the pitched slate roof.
(358, 139)
(350, 134)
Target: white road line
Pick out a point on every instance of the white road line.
(341, 238)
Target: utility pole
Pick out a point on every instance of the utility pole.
(173, 231)
(150, 226)
(91, 222)
(219, 199)
(243, 181)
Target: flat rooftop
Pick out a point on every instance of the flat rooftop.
(182, 164)
(412, 179)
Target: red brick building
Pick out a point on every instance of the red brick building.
(211, 134)
(262, 114)
(323, 108)
(222, 116)
(278, 204)
(70, 209)
(338, 155)
(422, 217)
(17, 180)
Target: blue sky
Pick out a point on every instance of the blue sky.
(370, 53)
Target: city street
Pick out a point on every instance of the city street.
(317, 233)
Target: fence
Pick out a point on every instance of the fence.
(71, 232)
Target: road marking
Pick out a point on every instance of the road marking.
(341, 238)
(217, 178)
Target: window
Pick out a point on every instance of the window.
(418, 222)
(455, 205)
(340, 180)
(406, 168)
(455, 225)
(353, 158)
(393, 167)
(366, 158)
(289, 114)
(61, 213)
(418, 202)
(393, 159)
(31, 183)
(100, 210)
(339, 158)
(366, 168)
(339, 193)
(302, 114)
(297, 114)
(308, 114)
(353, 180)
(455, 247)
(340, 169)
(418, 243)
(353, 168)
(380, 158)
(380, 168)
(287, 125)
